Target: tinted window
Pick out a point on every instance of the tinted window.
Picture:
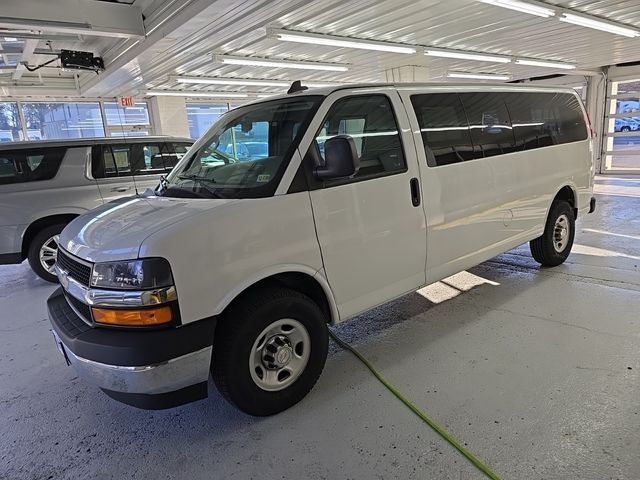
(370, 121)
(179, 151)
(111, 161)
(491, 132)
(444, 128)
(544, 119)
(151, 158)
(30, 165)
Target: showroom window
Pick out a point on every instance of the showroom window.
(127, 121)
(46, 121)
(202, 115)
(10, 126)
(622, 141)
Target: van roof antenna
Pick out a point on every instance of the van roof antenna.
(296, 87)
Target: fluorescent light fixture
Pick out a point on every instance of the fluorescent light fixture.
(523, 7)
(266, 62)
(333, 41)
(480, 57)
(247, 82)
(232, 81)
(191, 94)
(599, 25)
(478, 76)
(542, 63)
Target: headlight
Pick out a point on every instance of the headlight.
(133, 274)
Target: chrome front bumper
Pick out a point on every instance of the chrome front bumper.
(165, 377)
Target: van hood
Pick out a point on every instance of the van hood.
(116, 230)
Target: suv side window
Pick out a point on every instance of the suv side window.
(110, 161)
(177, 151)
(444, 128)
(30, 165)
(371, 122)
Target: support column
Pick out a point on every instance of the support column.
(169, 116)
(597, 109)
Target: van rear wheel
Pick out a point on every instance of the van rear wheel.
(43, 250)
(554, 246)
(269, 350)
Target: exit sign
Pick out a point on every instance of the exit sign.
(126, 102)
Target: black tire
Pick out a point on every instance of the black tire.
(234, 340)
(544, 248)
(625, 129)
(36, 244)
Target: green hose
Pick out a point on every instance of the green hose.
(425, 418)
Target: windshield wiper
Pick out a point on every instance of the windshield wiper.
(203, 181)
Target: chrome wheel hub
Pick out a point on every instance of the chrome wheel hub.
(48, 253)
(279, 355)
(561, 232)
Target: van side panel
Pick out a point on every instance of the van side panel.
(477, 209)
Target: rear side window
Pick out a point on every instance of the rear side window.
(489, 122)
(370, 121)
(179, 150)
(153, 158)
(111, 161)
(30, 165)
(544, 119)
(444, 128)
(458, 127)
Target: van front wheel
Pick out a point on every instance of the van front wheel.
(269, 350)
(553, 247)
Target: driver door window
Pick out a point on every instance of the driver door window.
(370, 121)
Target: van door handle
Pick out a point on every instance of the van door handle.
(415, 191)
(119, 189)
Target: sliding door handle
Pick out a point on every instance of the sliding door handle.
(415, 191)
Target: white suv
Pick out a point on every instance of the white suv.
(46, 184)
(237, 265)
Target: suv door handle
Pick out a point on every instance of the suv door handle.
(119, 189)
(415, 191)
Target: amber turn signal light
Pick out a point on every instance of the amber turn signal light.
(133, 318)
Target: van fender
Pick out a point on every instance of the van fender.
(317, 275)
(574, 190)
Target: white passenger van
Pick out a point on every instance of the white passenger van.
(361, 194)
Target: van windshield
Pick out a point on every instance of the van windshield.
(245, 153)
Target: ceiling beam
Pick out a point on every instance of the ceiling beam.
(158, 29)
(27, 55)
(77, 17)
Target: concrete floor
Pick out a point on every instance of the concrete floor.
(537, 371)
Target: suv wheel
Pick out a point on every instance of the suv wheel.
(553, 247)
(43, 250)
(269, 350)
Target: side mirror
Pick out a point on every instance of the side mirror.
(341, 158)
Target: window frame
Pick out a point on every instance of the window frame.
(312, 156)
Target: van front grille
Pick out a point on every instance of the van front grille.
(78, 271)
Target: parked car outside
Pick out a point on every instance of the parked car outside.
(46, 184)
(627, 124)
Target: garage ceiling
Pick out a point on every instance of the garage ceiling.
(185, 37)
